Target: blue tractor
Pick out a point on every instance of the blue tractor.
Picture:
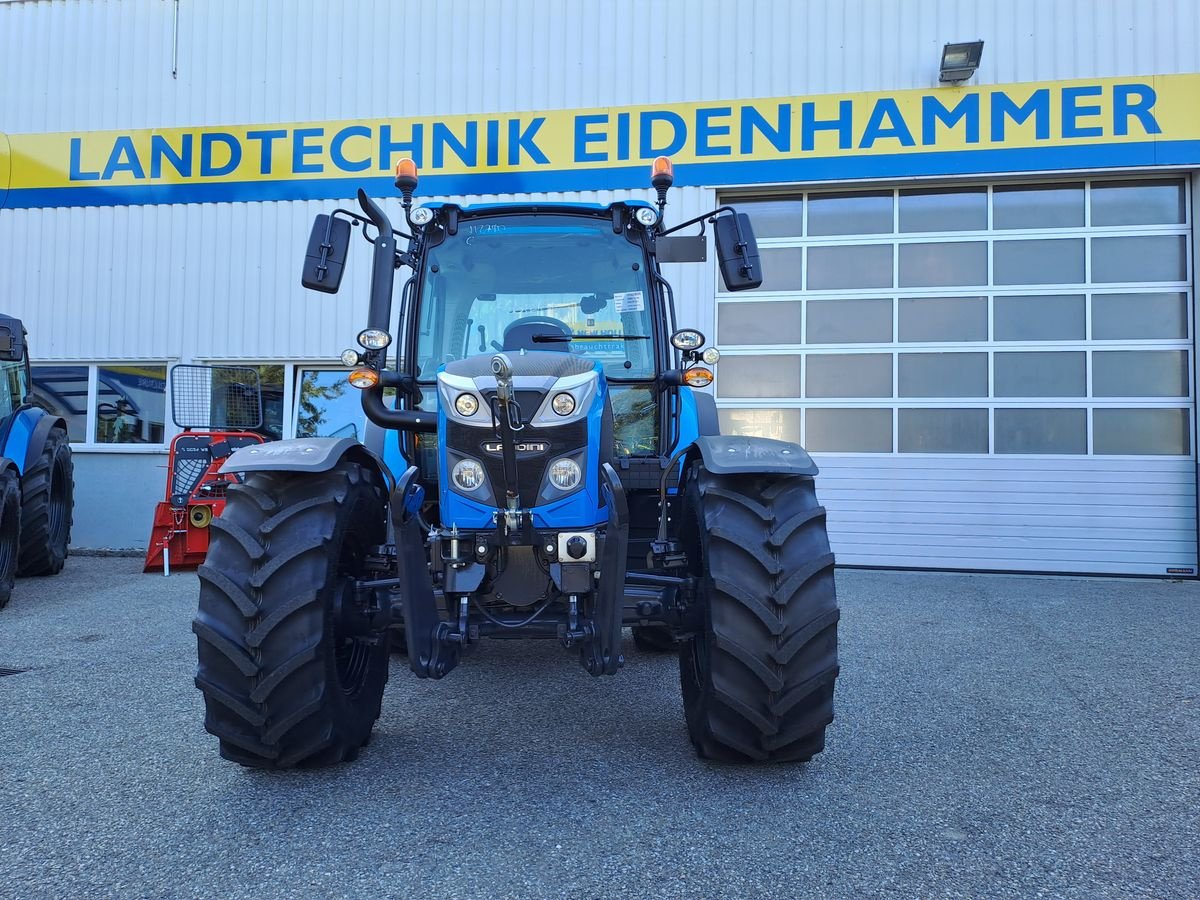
(542, 465)
(36, 474)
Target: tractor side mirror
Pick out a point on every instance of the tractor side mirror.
(737, 253)
(325, 260)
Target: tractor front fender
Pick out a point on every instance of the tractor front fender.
(737, 454)
(315, 454)
(26, 438)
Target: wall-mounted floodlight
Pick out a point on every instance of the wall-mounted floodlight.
(959, 61)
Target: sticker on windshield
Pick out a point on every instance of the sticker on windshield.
(629, 301)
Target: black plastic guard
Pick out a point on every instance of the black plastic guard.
(430, 655)
(735, 454)
(602, 654)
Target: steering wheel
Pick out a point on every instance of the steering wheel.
(519, 333)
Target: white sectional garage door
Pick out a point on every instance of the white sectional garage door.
(993, 376)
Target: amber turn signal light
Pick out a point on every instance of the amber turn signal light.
(698, 377)
(363, 377)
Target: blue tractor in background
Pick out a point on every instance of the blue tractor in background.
(36, 474)
(541, 464)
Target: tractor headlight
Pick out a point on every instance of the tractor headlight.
(468, 475)
(374, 338)
(466, 404)
(563, 404)
(350, 358)
(646, 216)
(711, 355)
(687, 339)
(565, 474)
(422, 215)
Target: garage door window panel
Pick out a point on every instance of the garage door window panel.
(1037, 206)
(943, 375)
(934, 320)
(1141, 202)
(1037, 374)
(775, 218)
(866, 375)
(1049, 317)
(1039, 262)
(1152, 257)
(943, 264)
(850, 213)
(1141, 432)
(867, 321)
(850, 267)
(783, 268)
(943, 209)
(1132, 317)
(1139, 373)
(1041, 431)
(758, 376)
(763, 322)
(777, 424)
(848, 430)
(942, 430)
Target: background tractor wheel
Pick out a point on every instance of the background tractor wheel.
(10, 533)
(290, 675)
(47, 502)
(758, 675)
(654, 639)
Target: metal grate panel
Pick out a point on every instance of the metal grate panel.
(216, 397)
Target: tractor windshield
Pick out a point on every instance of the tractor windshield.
(537, 282)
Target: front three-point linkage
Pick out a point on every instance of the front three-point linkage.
(506, 420)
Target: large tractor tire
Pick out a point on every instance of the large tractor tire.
(47, 490)
(758, 674)
(10, 533)
(289, 679)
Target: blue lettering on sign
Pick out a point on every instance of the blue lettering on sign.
(1135, 100)
(932, 112)
(160, 149)
(1038, 106)
(337, 150)
(123, 158)
(467, 150)
(410, 148)
(1072, 111)
(779, 136)
(266, 146)
(233, 147)
(519, 140)
(886, 122)
(585, 136)
(77, 173)
(302, 149)
(706, 130)
(810, 124)
(646, 123)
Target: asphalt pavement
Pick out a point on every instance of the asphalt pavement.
(995, 737)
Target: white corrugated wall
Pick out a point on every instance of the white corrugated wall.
(219, 281)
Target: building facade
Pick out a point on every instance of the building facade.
(978, 312)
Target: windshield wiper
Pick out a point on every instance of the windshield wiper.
(564, 338)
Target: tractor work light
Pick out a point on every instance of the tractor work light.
(563, 404)
(565, 474)
(374, 339)
(959, 61)
(697, 377)
(687, 339)
(647, 216)
(466, 404)
(422, 215)
(711, 355)
(467, 475)
(363, 377)
(350, 358)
